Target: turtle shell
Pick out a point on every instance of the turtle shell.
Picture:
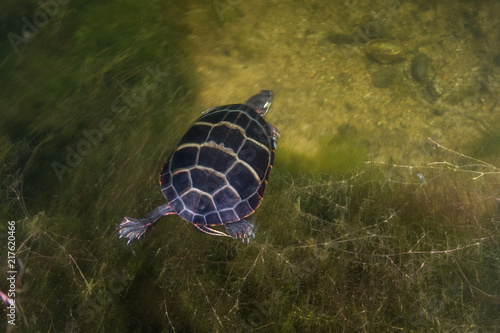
(218, 172)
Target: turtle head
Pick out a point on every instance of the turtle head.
(261, 102)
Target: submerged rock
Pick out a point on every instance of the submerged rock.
(384, 50)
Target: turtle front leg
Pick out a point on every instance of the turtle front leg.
(134, 228)
(274, 134)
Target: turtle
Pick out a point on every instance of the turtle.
(218, 172)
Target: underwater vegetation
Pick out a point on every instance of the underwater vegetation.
(389, 247)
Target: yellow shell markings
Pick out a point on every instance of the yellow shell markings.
(229, 151)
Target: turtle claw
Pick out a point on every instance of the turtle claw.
(247, 238)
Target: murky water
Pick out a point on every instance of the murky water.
(381, 212)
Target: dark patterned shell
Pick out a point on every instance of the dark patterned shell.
(218, 172)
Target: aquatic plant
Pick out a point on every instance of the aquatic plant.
(380, 250)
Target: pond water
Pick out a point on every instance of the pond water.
(382, 209)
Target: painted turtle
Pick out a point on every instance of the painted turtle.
(218, 172)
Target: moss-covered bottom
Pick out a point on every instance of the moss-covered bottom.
(390, 247)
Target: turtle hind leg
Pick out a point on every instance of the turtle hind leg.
(134, 228)
(240, 229)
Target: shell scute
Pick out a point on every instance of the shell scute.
(218, 172)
